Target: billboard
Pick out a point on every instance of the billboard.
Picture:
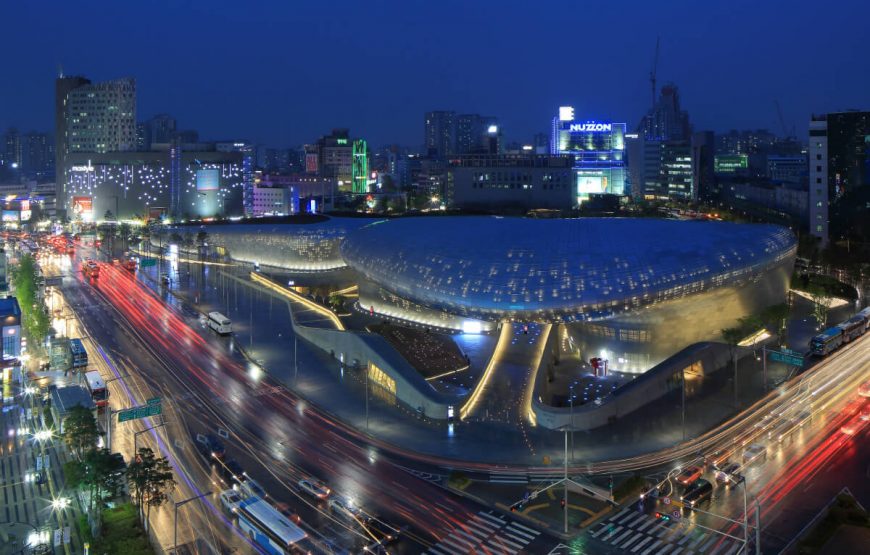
(83, 208)
(731, 163)
(588, 184)
(10, 215)
(208, 179)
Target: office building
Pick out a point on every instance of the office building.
(360, 167)
(788, 169)
(10, 322)
(439, 134)
(91, 118)
(474, 133)
(598, 149)
(666, 121)
(703, 165)
(519, 182)
(839, 176)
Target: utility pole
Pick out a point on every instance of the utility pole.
(367, 399)
(571, 389)
(136, 436)
(764, 368)
(175, 524)
(683, 396)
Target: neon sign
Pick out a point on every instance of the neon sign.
(591, 126)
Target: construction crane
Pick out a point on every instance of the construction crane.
(652, 74)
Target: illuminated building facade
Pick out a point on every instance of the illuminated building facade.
(639, 289)
(360, 170)
(599, 153)
(183, 184)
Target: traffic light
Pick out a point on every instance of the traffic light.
(519, 505)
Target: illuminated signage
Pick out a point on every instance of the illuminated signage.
(727, 163)
(208, 179)
(81, 168)
(591, 126)
(566, 113)
(10, 216)
(492, 129)
(341, 141)
(83, 207)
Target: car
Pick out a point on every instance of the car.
(250, 488)
(850, 428)
(754, 452)
(865, 414)
(231, 471)
(698, 492)
(689, 475)
(729, 475)
(864, 390)
(314, 488)
(717, 459)
(230, 500)
(384, 533)
(210, 446)
(344, 507)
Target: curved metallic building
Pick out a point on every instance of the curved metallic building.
(565, 270)
(291, 246)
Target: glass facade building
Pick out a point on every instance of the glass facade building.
(599, 153)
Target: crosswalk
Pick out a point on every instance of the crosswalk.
(642, 534)
(485, 532)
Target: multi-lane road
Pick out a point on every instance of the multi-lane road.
(160, 348)
(155, 349)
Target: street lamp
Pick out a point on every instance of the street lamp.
(175, 522)
(136, 435)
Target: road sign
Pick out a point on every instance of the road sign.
(153, 401)
(143, 411)
(667, 500)
(676, 514)
(788, 357)
(144, 262)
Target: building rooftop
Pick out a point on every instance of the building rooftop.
(580, 269)
(65, 398)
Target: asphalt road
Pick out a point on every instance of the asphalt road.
(272, 434)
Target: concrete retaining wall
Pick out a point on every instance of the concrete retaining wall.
(651, 386)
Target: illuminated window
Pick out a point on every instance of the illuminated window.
(379, 377)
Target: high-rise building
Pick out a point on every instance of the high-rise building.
(598, 149)
(37, 156)
(703, 165)
(473, 133)
(439, 135)
(839, 175)
(667, 121)
(92, 118)
(10, 150)
(332, 156)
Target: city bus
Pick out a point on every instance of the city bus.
(79, 354)
(827, 341)
(97, 387)
(852, 328)
(220, 323)
(267, 527)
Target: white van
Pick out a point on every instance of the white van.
(220, 323)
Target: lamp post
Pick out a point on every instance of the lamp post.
(571, 399)
(175, 520)
(136, 435)
(109, 413)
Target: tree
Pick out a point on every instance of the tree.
(775, 317)
(150, 479)
(821, 299)
(100, 473)
(80, 431)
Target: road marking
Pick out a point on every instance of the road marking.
(631, 540)
(521, 541)
(650, 521)
(707, 545)
(517, 531)
(531, 531)
(494, 518)
(612, 533)
(645, 541)
(618, 515)
(650, 548)
(502, 548)
(600, 530)
(622, 537)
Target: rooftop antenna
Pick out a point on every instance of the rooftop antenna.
(60, 71)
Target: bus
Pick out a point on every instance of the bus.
(852, 328)
(97, 387)
(220, 323)
(78, 352)
(267, 527)
(827, 341)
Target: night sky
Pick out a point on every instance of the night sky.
(285, 72)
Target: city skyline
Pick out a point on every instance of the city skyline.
(291, 86)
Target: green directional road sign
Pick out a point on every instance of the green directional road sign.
(143, 262)
(788, 357)
(144, 411)
(153, 401)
